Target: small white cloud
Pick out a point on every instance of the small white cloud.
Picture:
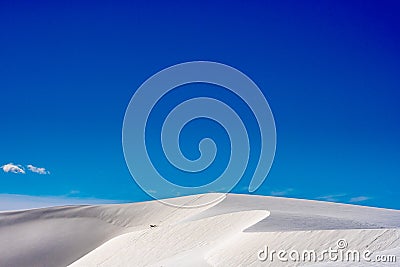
(37, 169)
(151, 191)
(10, 167)
(74, 192)
(358, 199)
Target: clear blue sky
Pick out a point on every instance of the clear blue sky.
(329, 69)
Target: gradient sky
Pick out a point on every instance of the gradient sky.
(329, 69)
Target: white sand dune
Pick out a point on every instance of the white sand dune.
(228, 233)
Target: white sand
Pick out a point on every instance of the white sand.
(228, 233)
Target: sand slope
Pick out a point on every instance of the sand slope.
(228, 233)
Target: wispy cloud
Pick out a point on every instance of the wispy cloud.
(37, 170)
(280, 193)
(332, 198)
(13, 168)
(345, 198)
(359, 199)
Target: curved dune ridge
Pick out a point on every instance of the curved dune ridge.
(227, 233)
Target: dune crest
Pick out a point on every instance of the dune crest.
(226, 233)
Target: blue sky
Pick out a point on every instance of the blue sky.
(329, 70)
